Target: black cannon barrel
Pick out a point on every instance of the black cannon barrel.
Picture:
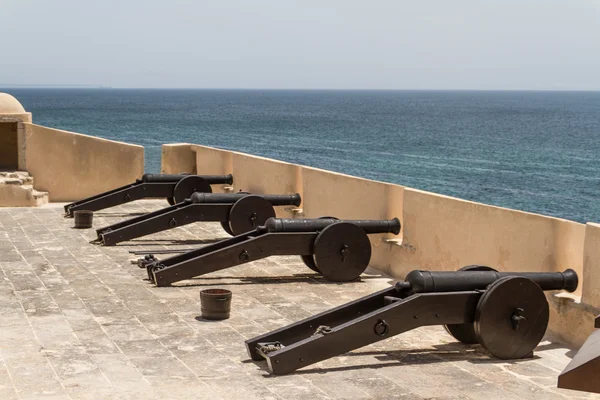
(162, 177)
(218, 179)
(165, 178)
(283, 199)
(311, 224)
(274, 199)
(198, 197)
(455, 281)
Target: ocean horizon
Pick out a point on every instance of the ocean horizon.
(530, 150)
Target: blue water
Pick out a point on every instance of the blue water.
(534, 151)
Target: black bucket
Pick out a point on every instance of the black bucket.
(215, 303)
(83, 219)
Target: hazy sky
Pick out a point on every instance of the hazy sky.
(378, 44)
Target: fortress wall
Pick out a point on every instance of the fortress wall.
(448, 233)
(213, 162)
(261, 175)
(71, 166)
(181, 159)
(591, 264)
(217, 162)
(572, 319)
(438, 232)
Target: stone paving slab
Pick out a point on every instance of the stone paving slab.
(78, 321)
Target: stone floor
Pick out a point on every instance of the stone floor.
(78, 321)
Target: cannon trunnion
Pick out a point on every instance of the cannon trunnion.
(175, 188)
(237, 212)
(338, 250)
(508, 313)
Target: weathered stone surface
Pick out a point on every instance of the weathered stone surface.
(16, 190)
(78, 321)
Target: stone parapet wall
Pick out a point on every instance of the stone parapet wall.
(71, 166)
(591, 264)
(16, 190)
(438, 232)
(182, 159)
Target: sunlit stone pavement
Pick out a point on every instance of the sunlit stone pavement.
(78, 321)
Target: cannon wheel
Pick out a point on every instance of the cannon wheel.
(342, 252)
(171, 200)
(225, 224)
(226, 227)
(465, 333)
(511, 317)
(248, 213)
(188, 185)
(309, 259)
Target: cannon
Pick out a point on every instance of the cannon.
(175, 188)
(237, 212)
(339, 250)
(506, 312)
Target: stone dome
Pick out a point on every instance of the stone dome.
(10, 105)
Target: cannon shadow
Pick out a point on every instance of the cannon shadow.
(167, 242)
(102, 214)
(437, 354)
(310, 278)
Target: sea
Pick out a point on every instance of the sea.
(532, 151)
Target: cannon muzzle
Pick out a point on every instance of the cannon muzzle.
(311, 225)
(419, 281)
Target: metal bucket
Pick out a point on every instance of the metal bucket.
(215, 303)
(83, 219)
